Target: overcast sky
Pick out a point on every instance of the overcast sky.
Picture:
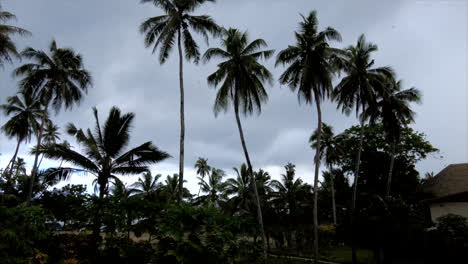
(424, 41)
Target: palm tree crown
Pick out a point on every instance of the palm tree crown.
(104, 149)
(8, 48)
(178, 21)
(241, 75)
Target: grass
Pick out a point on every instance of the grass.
(343, 255)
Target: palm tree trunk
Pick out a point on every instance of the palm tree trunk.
(182, 120)
(316, 177)
(35, 167)
(97, 218)
(390, 171)
(12, 166)
(353, 201)
(254, 183)
(332, 179)
(40, 161)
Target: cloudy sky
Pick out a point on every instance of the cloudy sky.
(425, 42)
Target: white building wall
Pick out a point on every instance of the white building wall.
(441, 209)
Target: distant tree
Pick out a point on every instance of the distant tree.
(203, 169)
(310, 71)
(58, 78)
(359, 89)
(394, 111)
(8, 48)
(25, 111)
(240, 190)
(170, 189)
(148, 184)
(104, 152)
(214, 187)
(241, 78)
(178, 22)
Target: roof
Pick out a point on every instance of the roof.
(453, 198)
(450, 181)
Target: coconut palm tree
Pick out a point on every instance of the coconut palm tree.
(359, 89)
(170, 189)
(177, 24)
(330, 152)
(58, 78)
(8, 48)
(51, 136)
(214, 188)
(310, 71)
(203, 169)
(242, 78)
(25, 111)
(240, 188)
(103, 152)
(394, 111)
(148, 184)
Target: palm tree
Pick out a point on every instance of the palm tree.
(310, 72)
(242, 78)
(162, 31)
(7, 46)
(123, 195)
(287, 192)
(240, 188)
(394, 111)
(203, 169)
(170, 189)
(104, 152)
(51, 136)
(148, 184)
(58, 78)
(25, 111)
(359, 89)
(331, 152)
(214, 188)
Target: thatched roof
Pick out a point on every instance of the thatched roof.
(450, 181)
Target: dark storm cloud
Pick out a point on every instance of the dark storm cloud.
(427, 53)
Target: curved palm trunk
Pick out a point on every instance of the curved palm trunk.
(12, 166)
(390, 171)
(254, 183)
(35, 167)
(332, 179)
(182, 120)
(316, 176)
(353, 201)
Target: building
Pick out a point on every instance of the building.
(448, 191)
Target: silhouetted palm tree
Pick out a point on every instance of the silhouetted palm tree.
(148, 184)
(310, 71)
(330, 152)
(214, 188)
(7, 46)
(25, 111)
(242, 78)
(51, 136)
(240, 188)
(203, 169)
(58, 78)
(178, 22)
(359, 89)
(394, 111)
(104, 155)
(170, 189)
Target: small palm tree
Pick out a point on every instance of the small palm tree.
(104, 155)
(203, 169)
(240, 188)
(359, 89)
(148, 184)
(170, 189)
(161, 32)
(310, 71)
(25, 111)
(51, 136)
(58, 78)
(8, 48)
(214, 188)
(331, 153)
(394, 111)
(242, 78)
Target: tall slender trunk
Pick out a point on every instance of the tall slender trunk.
(353, 201)
(182, 120)
(12, 166)
(254, 183)
(35, 167)
(40, 161)
(97, 218)
(332, 179)
(390, 171)
(316, 176)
